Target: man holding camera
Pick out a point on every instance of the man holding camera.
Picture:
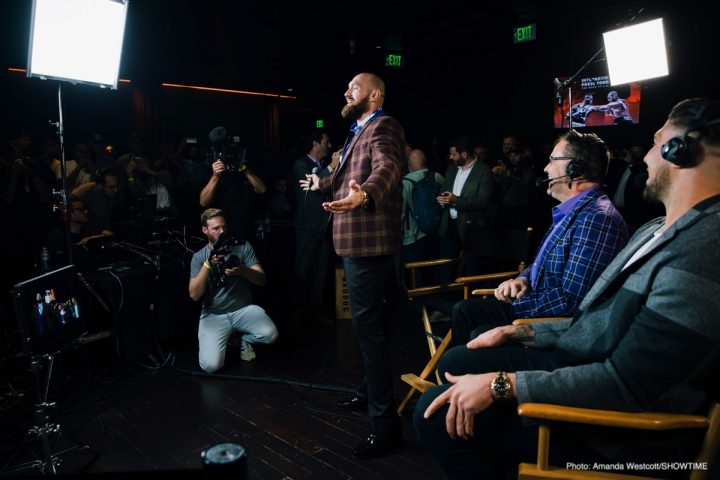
(233, 188)
(220, 274)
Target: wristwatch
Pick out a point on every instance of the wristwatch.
(500, 387)
(366, 200)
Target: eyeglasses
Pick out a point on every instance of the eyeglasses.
(551, 158)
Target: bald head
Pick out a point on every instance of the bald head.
(416, 160)
(374, 82)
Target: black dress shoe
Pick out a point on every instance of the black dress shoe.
(376, 445)
(354, 403)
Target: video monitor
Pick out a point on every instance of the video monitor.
(595, 103)
(50, 310)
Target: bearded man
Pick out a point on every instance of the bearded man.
(365, 213)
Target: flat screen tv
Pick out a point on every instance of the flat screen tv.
(49, 310)
(597, 104)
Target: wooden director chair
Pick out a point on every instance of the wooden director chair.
(644, 421)
(509, 247)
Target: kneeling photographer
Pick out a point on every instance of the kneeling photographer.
(221, 274)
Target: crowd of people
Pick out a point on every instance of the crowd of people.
(640, 333)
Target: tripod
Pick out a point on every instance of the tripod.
(43, 428)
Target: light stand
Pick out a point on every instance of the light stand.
(43, 428)
(59, 50)
(568, 84)
(65, 204)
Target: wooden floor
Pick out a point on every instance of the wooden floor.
(149, 418)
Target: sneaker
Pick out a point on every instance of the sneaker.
(246, 351)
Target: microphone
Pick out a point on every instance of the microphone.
(314, 172)
(542, 183)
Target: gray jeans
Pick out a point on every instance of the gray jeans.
(215, 329)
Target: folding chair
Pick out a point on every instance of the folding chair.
(505, 246)
(644, 421)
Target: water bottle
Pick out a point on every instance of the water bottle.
(45, 259)
(267, 225)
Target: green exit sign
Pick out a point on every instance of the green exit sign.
(394, 60)
(524, 33)
(320, 123)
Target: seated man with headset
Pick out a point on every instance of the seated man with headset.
(645, 338)
(586, 234)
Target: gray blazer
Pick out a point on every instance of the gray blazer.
(646, 337)
(475, 204)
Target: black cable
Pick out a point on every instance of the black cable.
(276, 380)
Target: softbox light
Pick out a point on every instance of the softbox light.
(636, 53)
(79, 41)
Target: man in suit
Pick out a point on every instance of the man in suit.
(312, 250)
(586, 234)
(645, 338)
(467, 197)
(365, 213)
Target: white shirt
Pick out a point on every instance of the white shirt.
(641, 251)
(462, 175)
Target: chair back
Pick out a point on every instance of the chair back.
(710, 446)
(498, 250)
(508, 248)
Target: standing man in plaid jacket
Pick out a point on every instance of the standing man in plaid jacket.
(365, 210)
(586, 234)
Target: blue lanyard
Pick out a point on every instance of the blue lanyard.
(355, 128)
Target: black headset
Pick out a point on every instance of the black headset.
(682, 150)
(576, 167)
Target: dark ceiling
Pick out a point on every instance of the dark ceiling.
(266, 45)
(274, 46)
(460, 63)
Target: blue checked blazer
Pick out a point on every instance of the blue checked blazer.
(585, 242)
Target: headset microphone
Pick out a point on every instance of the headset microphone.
(545, 182)
(541, 183)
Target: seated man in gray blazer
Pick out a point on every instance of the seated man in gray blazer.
(645, 338)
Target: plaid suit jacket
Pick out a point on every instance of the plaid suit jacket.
(375, 159)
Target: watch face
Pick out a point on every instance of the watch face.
(500, 386)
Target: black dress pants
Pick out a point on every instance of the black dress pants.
(373, 289)
(501, 438)
(475, 315)
(313, 257)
